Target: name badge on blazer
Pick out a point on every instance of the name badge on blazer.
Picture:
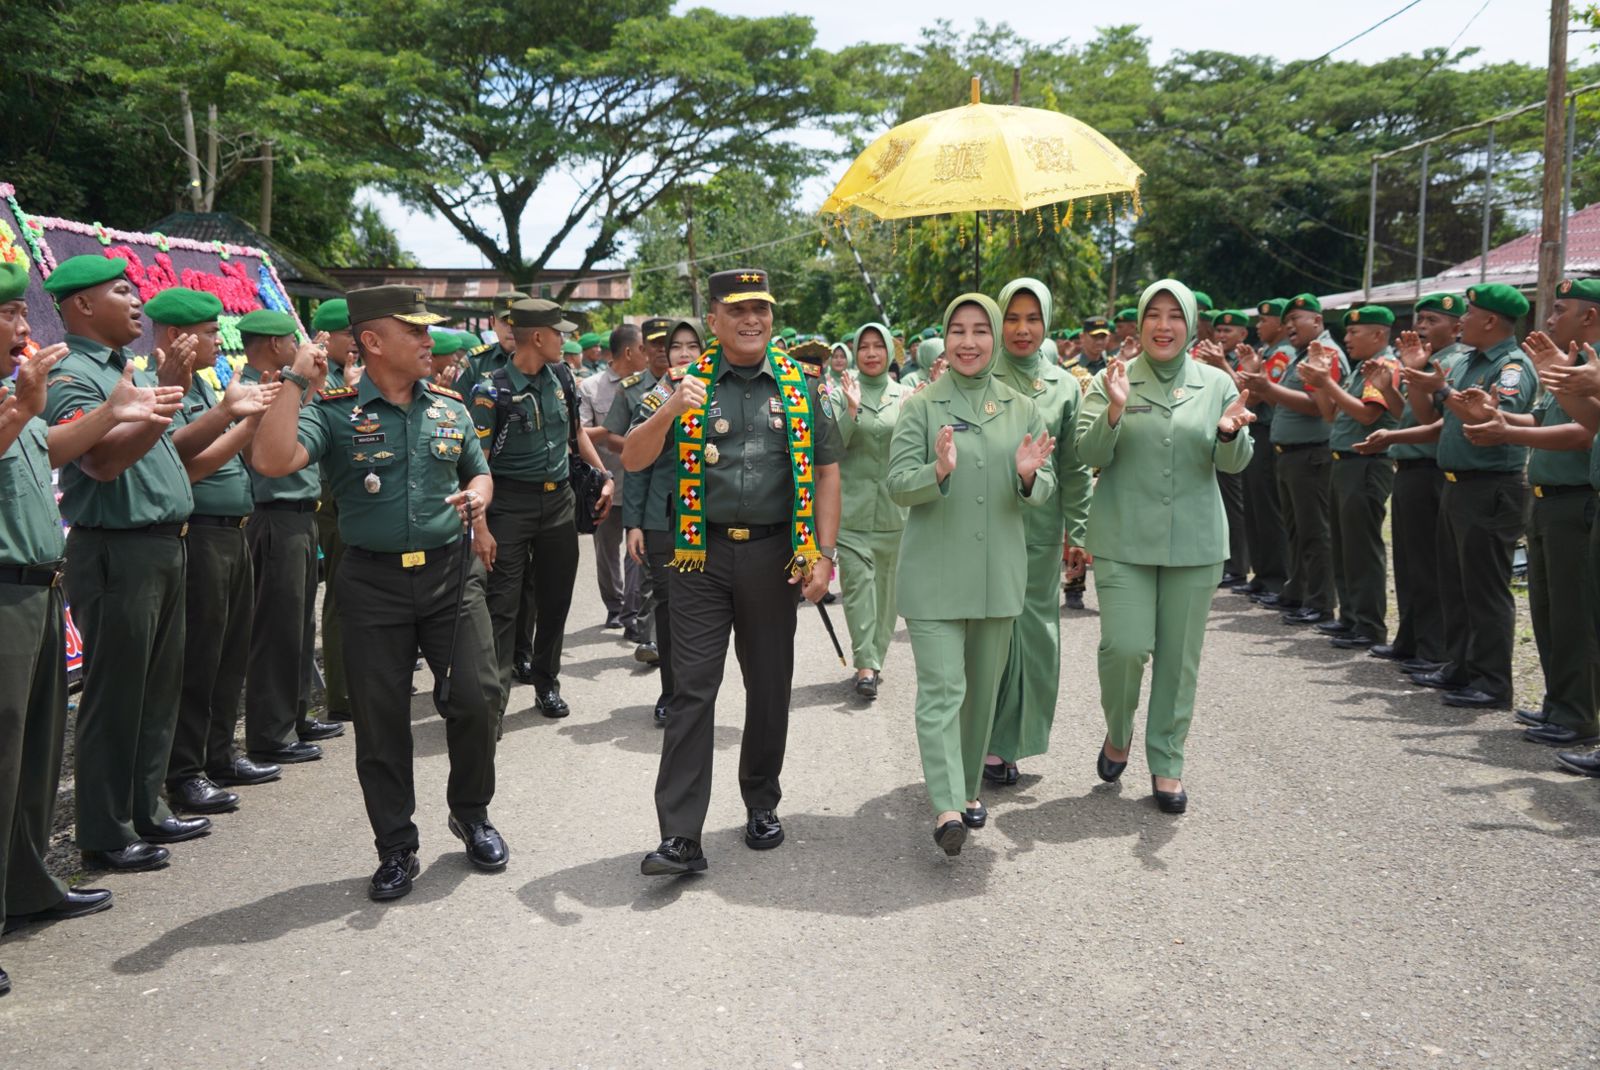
(1135, 408)
(959, 427)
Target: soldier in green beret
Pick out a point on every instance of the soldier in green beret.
(1207, 309)
(1367, 400)
(33, 659)
(279, 727)
(486, 358)
(447, 347)
(331, 321)
(128, 500)
(332, 318)
(1230, 328)
(408, 475)
(1263, 518)
(1125, 325)
(619, 581)
(1482, 510)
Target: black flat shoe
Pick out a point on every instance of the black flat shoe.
(1333, 627)
(1420, 665)
(1387, 652)
(647, 654)
(1555, 735)
(1351, 642)
(1302, 617)
(1532, 718)
(78, 903)
(486, 848)
(950, 836)
(1229, 579)
(522, 669)
(242, 772)
(551, 704)
(1247, 587)
(676, 855)
(176, 830)
(198, 795)
(975, 817)
(310, 730)
(1170, 802)
(867, 686)
(288, 753)
(1470, 698)
(137, 856)
(1109, 770)
(1002, 773)
(394, 876)
(763, 831)
(660, 716)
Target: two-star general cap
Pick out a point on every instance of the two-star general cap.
(537, 312)
(404, 303)
(745, 284)
(183, 307)
(81, 272)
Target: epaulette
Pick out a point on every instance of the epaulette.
(444, 390)
(812, 370)
(481, 349)
(336, 393)
(631, 380)
(678, 372)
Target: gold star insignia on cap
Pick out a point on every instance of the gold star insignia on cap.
(1566, 287)
(750, 277)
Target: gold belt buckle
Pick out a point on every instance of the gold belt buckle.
(549, 486)
(243, 520)
(1336, 455)
(1278, 448)
(414, 559)
(1538, 492)
(739, 534)
(1450, 477)
(56, 580)
(183, 532)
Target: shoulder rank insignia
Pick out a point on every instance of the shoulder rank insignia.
(812, 370)
(631, 380)
(444, 391)
(337, 393)
(481, 349)
(678, 372)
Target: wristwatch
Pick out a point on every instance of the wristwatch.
(289, 375)
(1439, 397)
(830, 552)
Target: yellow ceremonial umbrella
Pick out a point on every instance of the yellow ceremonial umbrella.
(983, 158)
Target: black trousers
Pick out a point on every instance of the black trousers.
(283, 629)
(744, 590)
(536, 536)
(1263, 520)
(1305, 491)
(1560, 592)
(388, 614)
(1361, 488)
(1480, 523)
(1414, 528)
(658, 555)
(1232, 487)
(218, 600)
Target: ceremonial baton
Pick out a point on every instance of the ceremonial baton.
(797, 567)
(461, 596)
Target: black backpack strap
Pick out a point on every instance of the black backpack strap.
(570, 386)
(504, 409)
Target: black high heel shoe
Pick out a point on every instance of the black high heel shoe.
(1003, 774)
(1109, 770)
(950, 836)
(1170, 802)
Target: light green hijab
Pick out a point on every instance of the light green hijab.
(1167, 371)
(1041, 293)
(990, 309)
(928, 351)
(855, 342)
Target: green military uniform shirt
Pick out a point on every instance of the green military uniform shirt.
(867, 505)
(154, 489)
(390, 467)
(1263, 410)
(535, 447)
(1503, 371)
(647, 495)
(1446, 358)
(225, 492)
(1290, 428)
(335, 377)
(1346, 430)
(302, 486)
(619, 418)
(30, 524)
(1056, 394)
(484, 360)
(1556, 468)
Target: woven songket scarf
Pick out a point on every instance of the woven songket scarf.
(689, 435)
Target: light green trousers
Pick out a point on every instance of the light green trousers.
(867, 564)
(1145, 611)
(958, 676)
(1031, 683)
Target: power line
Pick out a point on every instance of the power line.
(1446, 53)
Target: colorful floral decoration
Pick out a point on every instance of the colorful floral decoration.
(221, 249)
(102, 233)
(228, 335)
(161, 240)
(267, 289)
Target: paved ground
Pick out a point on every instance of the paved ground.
(1364, 878)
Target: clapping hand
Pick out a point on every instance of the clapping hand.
(1210, 352)
(1427, 380)
(1316, 369)
(1249, 360)
(134, 404)
(937, 370)
(1130, 348)
(1491, 432)
(243, 400)
(1475, 405)
(851, 390)
(1378, 372)
(1574, 380)
(1116, 383)
(1414, 353)
(33, 377)
(944, 452)
(1545, 354)
(1237, 415)
(1032, 455)
(1376, 442)
(177, 368)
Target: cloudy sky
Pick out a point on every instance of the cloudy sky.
(1502, 30)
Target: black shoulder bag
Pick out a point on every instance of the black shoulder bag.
(587, 480)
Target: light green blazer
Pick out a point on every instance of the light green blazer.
(867, 505)
(963, 555)
(1157, 501)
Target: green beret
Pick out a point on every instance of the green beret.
(182, 307)
(927, 333)
(331, 316)
(1570, 289)
(1369, 314)
(469, 340)
(1203, 300)
(1449, 304)
(1233, 317)
(1127, 315)
(1303, 302)
(589, 340)
(1272, 306)
(265, 321)
(81, 272)
(1498, 297)
(788, 334)
(447, 343)
(13, 275)
(1210, 315)
(570, 349)
(1071, 333)
(605, 340)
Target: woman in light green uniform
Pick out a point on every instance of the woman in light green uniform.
(929, 350)
(870, 527)
(1159, 428)
(1032, 679)
(968, 455)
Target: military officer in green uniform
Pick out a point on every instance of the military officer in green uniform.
(279, 727)
(1031, 682)
(1367, 400)
(1125, 325)
(524, 416)
(1305, 464)
(486, 358)
(1482, 511)
(757, 454)
(332, 321)
(1206, 308)
(332, 318)
(218, 587)
(1229, 329)
(408, 474)
(128, 501)
(1561, 522)
(1263, 519)
(1095, 337)
(969, 457)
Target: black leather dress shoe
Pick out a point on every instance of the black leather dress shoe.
(176, 830)
(647, 654)
(763, 831)
(950, 836)
(1304, 615)
(1170, 802)
(867, 686)
(1422, 665)
(551, 704)
(1108, 770)
(486, 848)
(1470, 698)
(5, 982)
(1532, 718)
(1582, 764)
(137, 855)
(310, 730)
(613, 624)
(1436, 680)
(198, 795)
(1333, 627)
(522, 668)
(1073, 600)
(1556, 735)
(77, 903)
(394, 876)
(1229, 579)
(1001, 773)
(1387, 652)
(1352, 642)
(243, 772)
(975, 817)
(677, 854)
(1247, 587)
(829, 599)
(661, 712)
(288, 753)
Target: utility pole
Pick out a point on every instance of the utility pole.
(266, 189)
(694, 271)
(1553, 211)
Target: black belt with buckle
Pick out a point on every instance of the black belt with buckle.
(46, 575)
(176, 531)
(407, 558)
(1352, 455)
(1463, 477)
(207, 521)
(1545, 490)
(1296, 447)
(1407, 464)
(307, 505)
(536, 485)
(747, 532)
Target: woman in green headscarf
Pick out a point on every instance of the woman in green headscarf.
(929, 350)
(1026, 707)
(870, 527)
(1159, 428)
(968, 456)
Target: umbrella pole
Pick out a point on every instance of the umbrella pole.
(977, 252)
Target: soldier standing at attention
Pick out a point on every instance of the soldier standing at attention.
(279, 727)
(408, 474)
(1263, 520)
(597, 396)
(757, 502)
(1229, 329)
(331, 320)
